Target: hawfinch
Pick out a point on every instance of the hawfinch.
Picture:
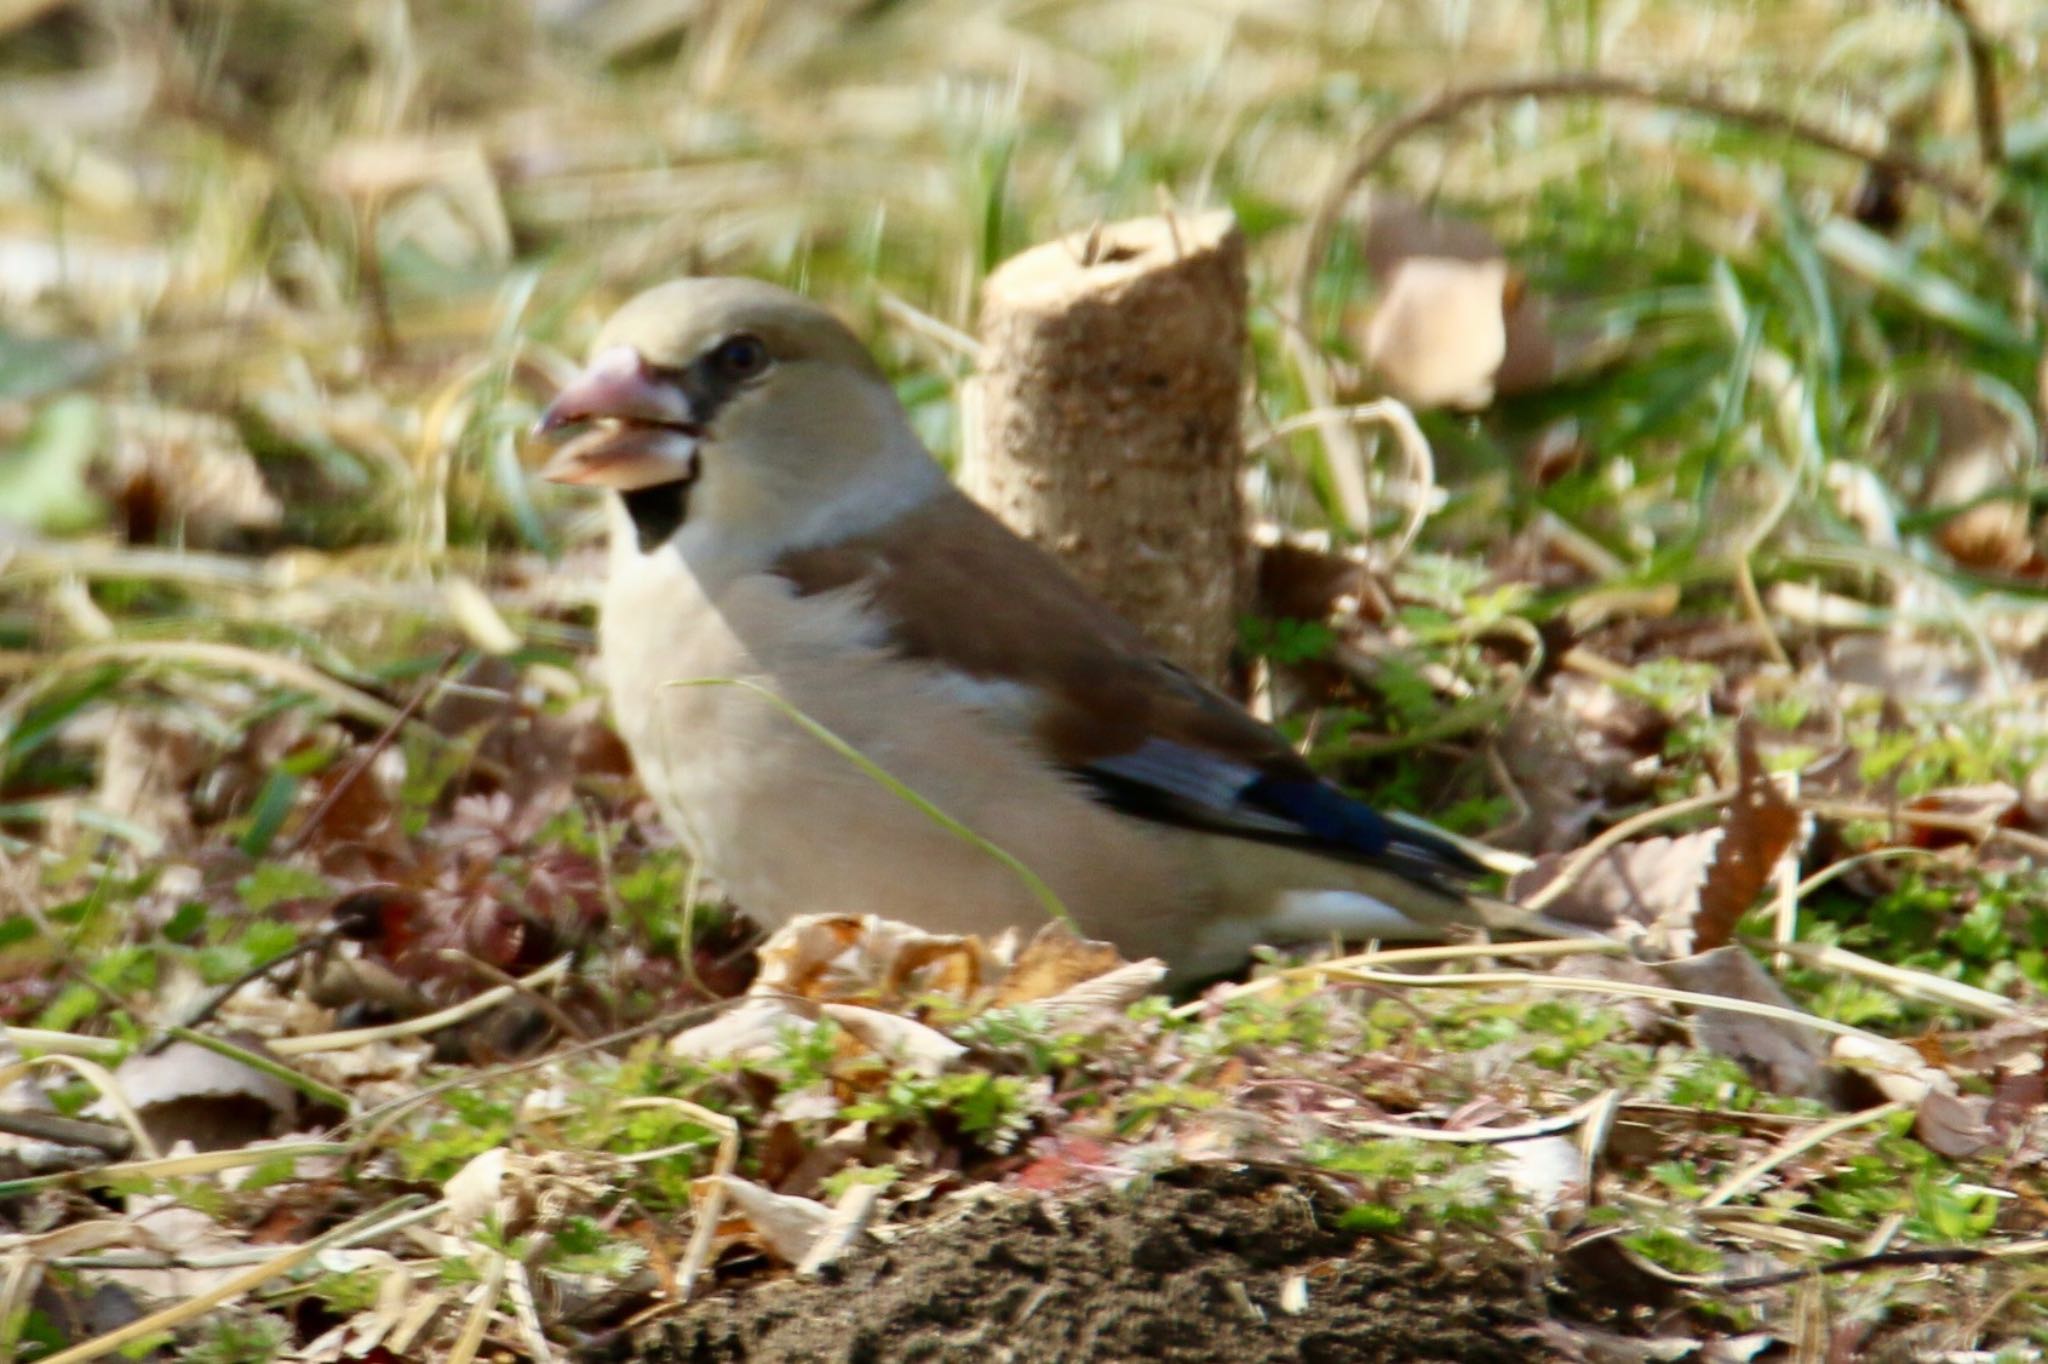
(775, 520)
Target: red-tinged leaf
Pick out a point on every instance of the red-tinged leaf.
(1759, 828)
(1064, 1161)
(349, 805)
(1988, 806)
(387, 918)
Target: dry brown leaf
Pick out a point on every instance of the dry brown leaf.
(2018, 1099)
(787, 1226)
(855, 971)
(1644, 1017)
(1110, 992)
(188, 473)
(876, 961)
(1954, 1125)
(2017, 1043)
(1759, 828)
(1652, 883)
(148, 763)
(872, 960)
(913, 1045)
(1575, 750)
(187, 1093)
(1945, 1120)
(749, 1031)
(1896, 1070)
(1053, 961)
(178, 1231)
(1784, 1057)
(1591, 1345)
(1989, 804)
(1908, 666)
(1976, 461)
(475, 1193)
(357, 1339)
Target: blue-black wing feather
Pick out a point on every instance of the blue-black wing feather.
(1167, 782)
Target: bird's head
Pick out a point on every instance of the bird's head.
(742, 407)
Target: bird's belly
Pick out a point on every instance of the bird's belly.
(789, 826)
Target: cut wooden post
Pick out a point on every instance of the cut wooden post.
(1106, 423)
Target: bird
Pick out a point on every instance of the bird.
(776, 525)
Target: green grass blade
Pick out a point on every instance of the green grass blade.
(1032, 882)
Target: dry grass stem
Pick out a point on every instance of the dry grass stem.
(425, 1023)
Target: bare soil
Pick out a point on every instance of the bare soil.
(1189, 1266)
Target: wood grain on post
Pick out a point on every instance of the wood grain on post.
(1107, 421)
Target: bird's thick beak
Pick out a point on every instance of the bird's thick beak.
(641, 432)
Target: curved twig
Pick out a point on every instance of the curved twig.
(1985, 104)
(1380, 143)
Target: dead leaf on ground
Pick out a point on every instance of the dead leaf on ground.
(178, 1231)
(1907, 666)
(785, 1225)
(1759, 828)
(192, 1094)
(2018, 1100)
(869, 959)
(1894, 1069)
(1054, 961)
(186, 477)
(1111, 992)
(1944, 1119)
(1591, 1345)
(1575, 749)
(1987, 806)
(1975, 463)
(751, 1030)
(149, 761)
(883, 963)
(859, 971)
(1784, 1057)
(907, 1043)
(476, 1193)
(1651, 883)
(1644, 1017)
(1954, 1125)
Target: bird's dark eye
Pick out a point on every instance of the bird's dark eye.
(739, 357)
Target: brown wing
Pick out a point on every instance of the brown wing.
(961, 591)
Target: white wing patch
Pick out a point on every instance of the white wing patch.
(1305, 915)
(1014, 704)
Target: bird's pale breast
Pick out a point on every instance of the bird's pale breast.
(790, 827)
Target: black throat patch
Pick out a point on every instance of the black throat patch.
(658, 511)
